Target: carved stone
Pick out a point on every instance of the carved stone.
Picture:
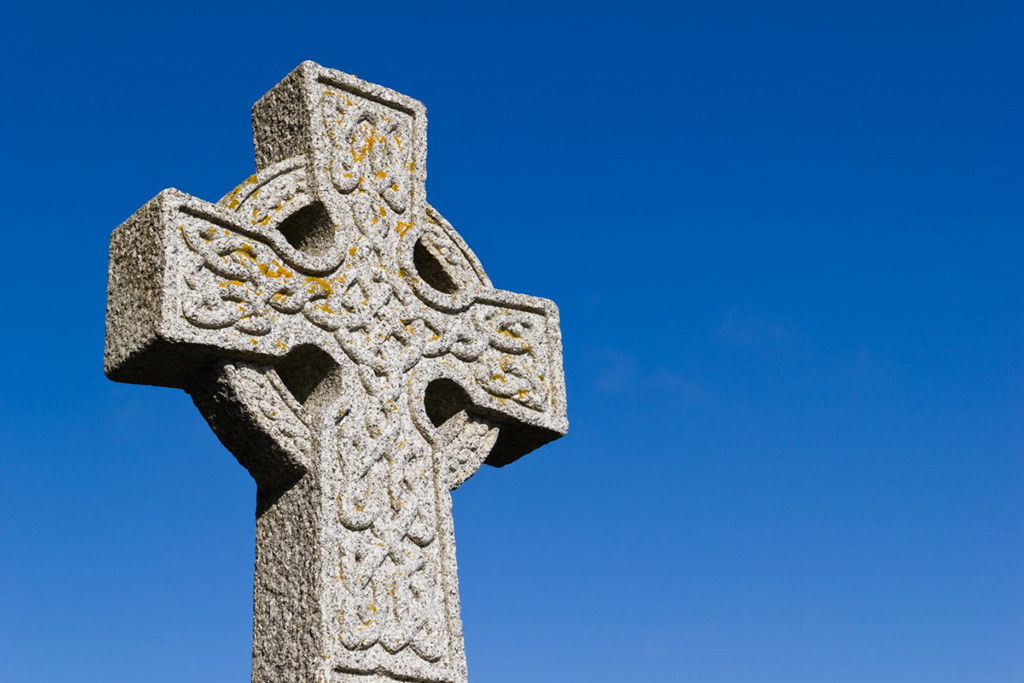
(347, 347)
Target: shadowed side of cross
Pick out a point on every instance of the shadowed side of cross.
(346, 345)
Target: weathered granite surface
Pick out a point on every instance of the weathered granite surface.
(346, 345)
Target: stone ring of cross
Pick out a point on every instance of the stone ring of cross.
(346, 345)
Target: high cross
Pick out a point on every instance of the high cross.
(347, 347)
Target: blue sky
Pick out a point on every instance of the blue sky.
(785, 239)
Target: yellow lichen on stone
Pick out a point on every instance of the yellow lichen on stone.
(317, 285)
(278, 271)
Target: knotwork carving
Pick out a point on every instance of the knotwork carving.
(273, 405)
(370, 159)
(241, 281)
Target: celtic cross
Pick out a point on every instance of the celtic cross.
(347, 347)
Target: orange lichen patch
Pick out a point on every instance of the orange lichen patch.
(383, 211)
(318, 285)
(246, 250)
(382, 175)
(325, 308)
(232, 201)
(403, 228)
(278, 271)
(352, 251)
(370, 139)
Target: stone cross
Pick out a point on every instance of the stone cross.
(347, 347)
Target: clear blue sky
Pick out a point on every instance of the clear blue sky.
(786, 241)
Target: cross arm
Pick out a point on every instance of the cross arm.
(182, 289)
(503, 349)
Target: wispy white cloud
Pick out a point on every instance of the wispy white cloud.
(757, 332)
(616, 371)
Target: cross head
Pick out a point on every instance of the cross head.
(345, 344)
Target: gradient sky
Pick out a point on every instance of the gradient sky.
(786, 243)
